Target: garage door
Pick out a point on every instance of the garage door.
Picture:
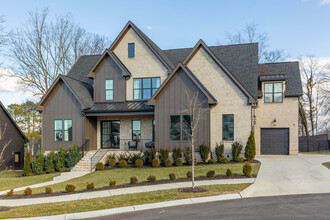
(275, 141)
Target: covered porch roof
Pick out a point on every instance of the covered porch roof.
(120, 108)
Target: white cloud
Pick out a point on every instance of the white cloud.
(325, 2)
(149, 27)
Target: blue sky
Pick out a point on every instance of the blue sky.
(300, 27)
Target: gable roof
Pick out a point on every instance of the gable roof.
(234, 78)
(292, 72)
(81, 90)
(81, 68)
(113, 56)
(152, 46)
(13, 121)
(211, 99)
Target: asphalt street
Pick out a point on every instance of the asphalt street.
(309, 206)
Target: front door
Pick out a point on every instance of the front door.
(17, 160)
(110, 134)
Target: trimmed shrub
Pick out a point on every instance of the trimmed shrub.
(60, 160)
(73, 155)
(250, 148)
(134, 180)
(99, 166)
(224, 160)
(172, 176)
(236, 149)
(135, 156)
(28, 191)
(189, 174)
(177, 153)
(219, 149)
(48, 190)
(151, 179)
(90, 186)
(70, 187)
(149, 155)
(112, 162)
(112, 183)
(50, 162)
(179, 162)
(139, 163)
(205, 152)
(168, 162)
(10, 192)
(187, 155)
(212, 161)
(155, 162)
(123, 163)
(247, 169)
(27, 170)
(229, 173)
(38, 164)
(163, 156)
(210, 173)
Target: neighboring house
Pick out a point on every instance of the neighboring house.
(136, 91)
(13, 155)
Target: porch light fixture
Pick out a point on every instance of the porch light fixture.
(274, 122)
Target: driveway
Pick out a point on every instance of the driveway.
(287, 175)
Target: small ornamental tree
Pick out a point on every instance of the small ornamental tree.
(27, 165)
(250, 148)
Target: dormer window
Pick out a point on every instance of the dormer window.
(273, 92)
(131, 50)
(144, 88)
(108, 89)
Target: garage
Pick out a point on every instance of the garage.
(275, 141)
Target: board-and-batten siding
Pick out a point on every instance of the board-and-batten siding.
(61, 104)
(91, 132)
(171, 102)
(108, 69)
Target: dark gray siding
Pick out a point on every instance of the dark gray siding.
(90, 132)
(61, 104)
(108, 69)
(16, 144)
(171, 102)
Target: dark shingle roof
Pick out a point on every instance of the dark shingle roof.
(113, 107)
(83, 91)
(82, 67)
(290, 69)
(240, 59)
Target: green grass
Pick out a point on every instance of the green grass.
(326, 164)
(122, 175)
(323, 152)
(115, 201)
(14, 179)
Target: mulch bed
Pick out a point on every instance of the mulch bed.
(4, 208)
(192, 190)
(21, 196)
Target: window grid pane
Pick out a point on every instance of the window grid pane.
(109, 89)
(58, 130)
(186, 127)
(131, 50)
(136, 130)
(67, 130)
(144, 88)
(175, 128)
(273, 92)
(228, 127)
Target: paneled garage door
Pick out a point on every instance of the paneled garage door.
(275, 141)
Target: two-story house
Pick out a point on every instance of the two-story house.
(136, 91)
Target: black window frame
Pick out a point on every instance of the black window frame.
(179, 129)
(105, 88)
(273, 92)
(183, 136)
(129, 50)
(136, 139)
(68, 130)
(227, 126)
(58, 130)
(142, 88)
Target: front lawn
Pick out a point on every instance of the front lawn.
(122, 175)
(116, 201)
(323, 152)
(14, 179)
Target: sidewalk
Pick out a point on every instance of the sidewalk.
(120, 191)
(58, 179)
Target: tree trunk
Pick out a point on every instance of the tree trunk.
(193, 161)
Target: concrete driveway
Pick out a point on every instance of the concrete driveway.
(287, 175)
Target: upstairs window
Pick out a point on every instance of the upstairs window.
(228, 127)
(144, 88)
(109, 89)
(273, 92)
(131, 50)
(58, 130)
(136, 130)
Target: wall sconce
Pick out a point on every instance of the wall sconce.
(254, 120)
(274, 122)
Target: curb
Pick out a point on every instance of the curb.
(105, 212)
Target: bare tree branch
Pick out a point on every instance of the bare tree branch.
(3, 143)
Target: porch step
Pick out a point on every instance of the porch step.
(89, 161)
